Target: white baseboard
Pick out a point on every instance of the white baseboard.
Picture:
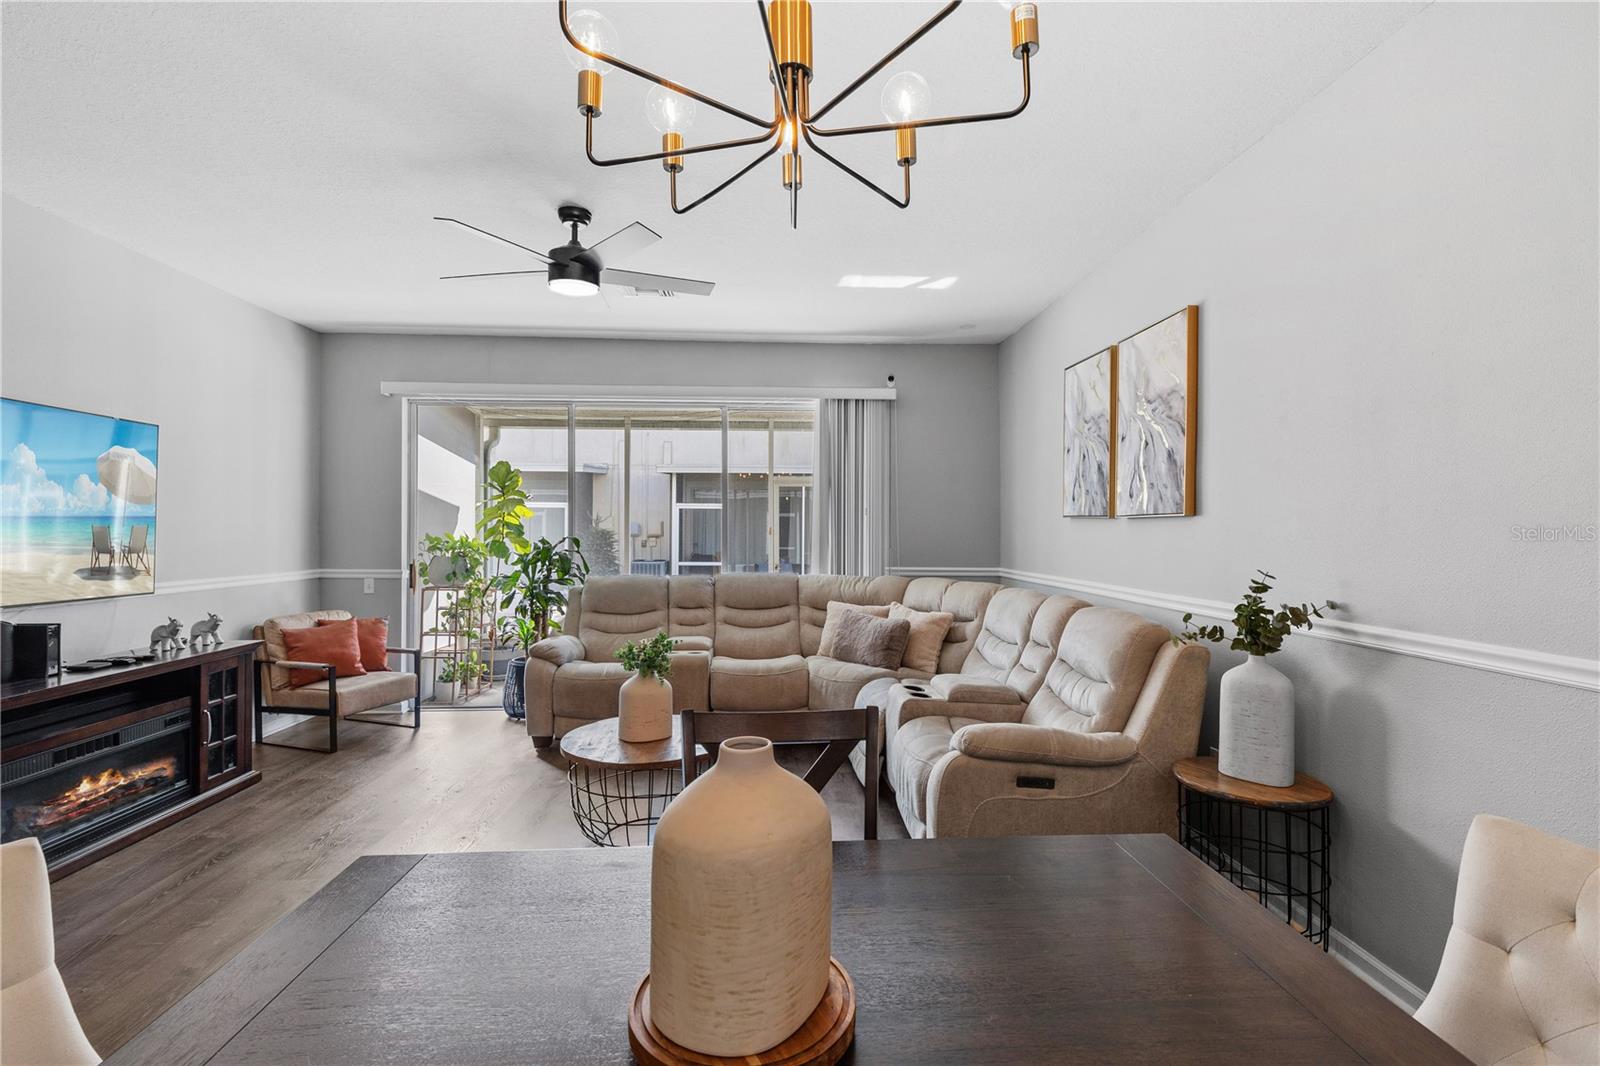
(1371, 969)
(1352, 956)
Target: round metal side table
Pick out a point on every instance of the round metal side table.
(1271, 842)
(619, 789)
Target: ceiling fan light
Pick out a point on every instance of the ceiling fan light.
(573, 287)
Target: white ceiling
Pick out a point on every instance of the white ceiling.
(294, 153)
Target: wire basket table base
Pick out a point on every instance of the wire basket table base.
(620, 807)
(1272, 842)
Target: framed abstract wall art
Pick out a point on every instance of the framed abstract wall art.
(1089, 469)
(1157, 402)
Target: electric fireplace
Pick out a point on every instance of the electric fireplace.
(92, 762)
(71, 795)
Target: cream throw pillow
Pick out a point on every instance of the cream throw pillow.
(830, 624)
(928, 629)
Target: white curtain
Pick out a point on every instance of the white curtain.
(854, 489)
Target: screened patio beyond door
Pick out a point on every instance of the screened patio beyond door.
(666, 488)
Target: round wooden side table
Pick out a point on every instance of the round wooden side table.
(618, 788)
(1272, 842)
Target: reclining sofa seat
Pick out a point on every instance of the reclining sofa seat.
(745, 641)
(574, 678)
(1014, 645)
(836, 683)
(1090, 752)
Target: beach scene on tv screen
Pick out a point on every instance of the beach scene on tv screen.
(77, 505)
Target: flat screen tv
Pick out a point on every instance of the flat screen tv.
(77, 505)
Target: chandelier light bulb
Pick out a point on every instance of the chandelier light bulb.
(595, 31)
(667, 111)
(906, 97)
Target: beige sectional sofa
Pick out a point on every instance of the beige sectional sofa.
(745, 641)
(1046, 714)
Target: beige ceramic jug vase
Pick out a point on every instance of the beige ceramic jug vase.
(644, 709)
(741, 896)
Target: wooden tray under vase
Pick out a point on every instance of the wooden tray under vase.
(821, 1041)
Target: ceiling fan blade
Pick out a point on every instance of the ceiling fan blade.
(656, 282)
(626, 241)
(492, 274)
(486, 235)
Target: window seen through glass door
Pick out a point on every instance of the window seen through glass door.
(642, 487)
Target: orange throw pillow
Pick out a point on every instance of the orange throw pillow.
(334, 644)
(373, 636)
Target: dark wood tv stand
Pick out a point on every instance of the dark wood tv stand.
(189, 710)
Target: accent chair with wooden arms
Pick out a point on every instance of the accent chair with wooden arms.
(1090, 752)
(335, 697)
(1518, 982)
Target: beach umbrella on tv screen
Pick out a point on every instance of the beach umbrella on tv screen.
(127, 475)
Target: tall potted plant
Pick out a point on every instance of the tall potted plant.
(531, 577)
(1255, 740)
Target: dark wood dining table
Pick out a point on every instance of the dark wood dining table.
(1035, 950)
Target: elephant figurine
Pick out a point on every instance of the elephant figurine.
(204, 632)
(168, 637)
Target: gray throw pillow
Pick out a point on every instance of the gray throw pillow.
(870, 641)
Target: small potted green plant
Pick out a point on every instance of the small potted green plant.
(644, 705)
(449, 561)
(1256, 737)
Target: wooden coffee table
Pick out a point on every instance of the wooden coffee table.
(619, 789)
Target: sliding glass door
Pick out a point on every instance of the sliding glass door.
(666, 488)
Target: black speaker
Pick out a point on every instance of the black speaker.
(31, 650)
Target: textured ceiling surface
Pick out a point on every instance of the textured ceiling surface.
(294, 153)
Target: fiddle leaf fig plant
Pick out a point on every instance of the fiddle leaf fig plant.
(531, 577)
(505, 506)
(1258, 629)
(649, 658)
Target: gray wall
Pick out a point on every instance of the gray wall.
(947, 427)
(91, 325)
(1397, 369)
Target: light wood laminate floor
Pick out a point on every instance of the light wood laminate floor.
(136, 931)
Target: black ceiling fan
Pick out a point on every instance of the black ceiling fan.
(573, 270)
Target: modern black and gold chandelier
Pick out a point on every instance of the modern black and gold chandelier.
(670, 106)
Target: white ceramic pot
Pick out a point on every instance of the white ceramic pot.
(644, 709)
(741, 895)
(1256, 741)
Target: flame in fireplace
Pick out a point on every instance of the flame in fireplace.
(94, 794)
(107, 781)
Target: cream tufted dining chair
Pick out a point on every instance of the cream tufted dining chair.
(1519, 983)
(38, 1026)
